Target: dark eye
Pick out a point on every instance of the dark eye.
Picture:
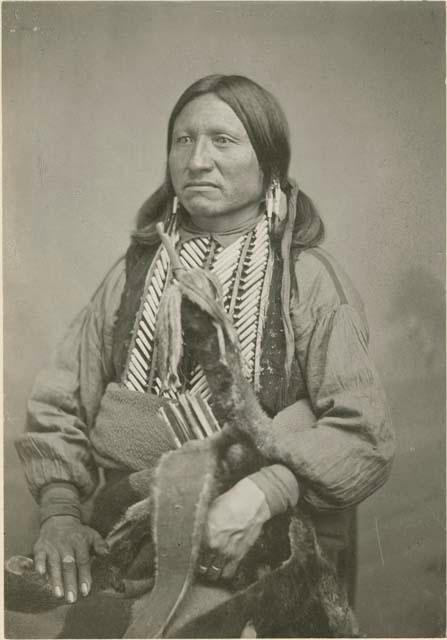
(183, 139)
(222, 141)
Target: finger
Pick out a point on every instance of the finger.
(40, 561)
(214, 573)
(202, 569)
(249, 630)
(70, 574)
(99, 544)
(55, 571)
(230, 569)
(215, 568)
(207, 556)
(205, 559)
(83, 566)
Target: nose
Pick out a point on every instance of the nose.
(200, 158)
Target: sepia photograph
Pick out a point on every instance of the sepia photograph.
(224, 319)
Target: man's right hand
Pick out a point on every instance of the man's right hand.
(63, 551)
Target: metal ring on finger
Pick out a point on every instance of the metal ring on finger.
(216, 567)
(205, 560)
(68, 559)
(216, 570)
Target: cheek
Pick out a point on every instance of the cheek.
(250, 177)
(245, 172)
(253, 173)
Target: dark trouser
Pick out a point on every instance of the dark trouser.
(337, 535)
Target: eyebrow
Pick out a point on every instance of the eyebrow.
(214, 131)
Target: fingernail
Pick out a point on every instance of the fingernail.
(70, 597)
(40, 569)
(58, 592)
(84, 589)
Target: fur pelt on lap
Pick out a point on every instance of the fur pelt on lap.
(284, 585)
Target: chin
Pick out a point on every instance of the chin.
(202, 209)
(204, 213)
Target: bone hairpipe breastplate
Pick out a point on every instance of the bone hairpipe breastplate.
(244, 270)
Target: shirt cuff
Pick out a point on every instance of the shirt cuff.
(59, 499)
(279, 486)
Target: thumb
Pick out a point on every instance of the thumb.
(99, 544)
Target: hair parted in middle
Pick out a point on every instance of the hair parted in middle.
(268, 131)
(260, 113)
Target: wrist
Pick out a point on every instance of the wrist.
(279, 486)
(59, 499)
(60, 519)
(255, 496)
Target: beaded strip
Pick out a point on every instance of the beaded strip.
(136, 372)
(248, 315)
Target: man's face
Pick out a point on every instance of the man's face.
(213, 166)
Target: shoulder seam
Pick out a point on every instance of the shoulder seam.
(331, 272)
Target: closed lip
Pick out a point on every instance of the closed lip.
(200, 183)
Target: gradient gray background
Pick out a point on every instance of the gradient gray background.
(87, 88)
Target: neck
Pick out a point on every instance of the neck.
(228, 222)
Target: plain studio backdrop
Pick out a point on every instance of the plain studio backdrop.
(87, 90)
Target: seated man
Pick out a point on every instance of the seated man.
(231, 209)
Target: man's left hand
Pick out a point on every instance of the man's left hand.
(235, 521)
